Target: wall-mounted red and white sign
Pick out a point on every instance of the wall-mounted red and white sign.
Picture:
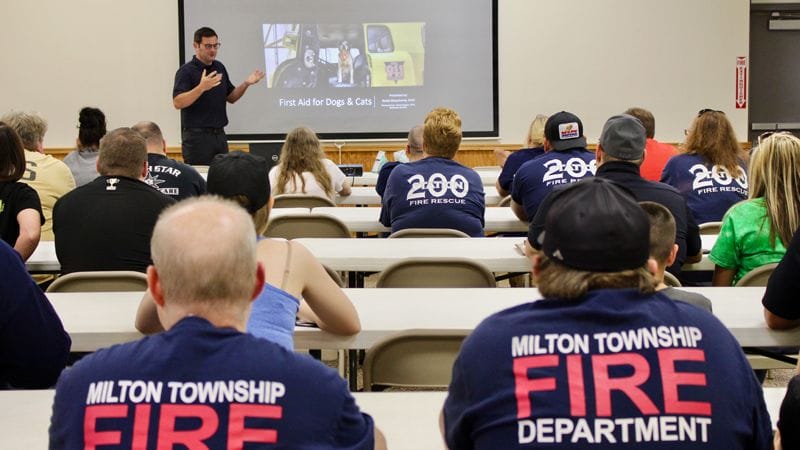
(741, 82)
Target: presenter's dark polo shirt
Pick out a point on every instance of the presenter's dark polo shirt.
(208, 111)
(107, 225)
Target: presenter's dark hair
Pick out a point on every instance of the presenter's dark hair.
(12, 156)
(203, 32)
(91, 127)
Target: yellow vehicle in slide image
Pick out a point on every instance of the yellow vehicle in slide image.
(336, 55)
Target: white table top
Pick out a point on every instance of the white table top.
(488, 177)
(374, 255)
(408, 420)
(96, 320)
(366, 219)
(44, 258)
(366, 195)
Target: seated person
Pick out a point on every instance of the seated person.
(296, 286)
(787, 436)
(82, 162)
(436, 191)
(203, 279)
(34, 347)
(602, 356)
(48, 176)
(170, 177)
(304, 169)
(21, 216)
(664, 250)
(413, 153)
(566, 160)
(107, 223)
(511, 162)
(781, 306)
(755, 232)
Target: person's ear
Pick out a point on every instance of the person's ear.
(652, 266)
(598, 154)
(154, 285)
(144, 169)
(673, 254)
(536, 265)
(259, 285)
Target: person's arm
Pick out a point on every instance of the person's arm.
(332, 310)
(252, 79)
(776, 322)
(346, 190)
(723, 277)
(207, 81)
(519, 210)
(146, 316)
(500, 190)
(694, 245)
(380, 440)
(30, 231)
(34, 347)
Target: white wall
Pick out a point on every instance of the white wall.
(592, 57)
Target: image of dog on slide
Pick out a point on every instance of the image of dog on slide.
(345, 63)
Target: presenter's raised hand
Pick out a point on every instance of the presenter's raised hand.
(208, 81)
(255, 77)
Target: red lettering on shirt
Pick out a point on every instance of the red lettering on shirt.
(523, 385)
(141, 426)
(671, 379)
(238, 434)
(91, 437)
(629, 385)
(577, 394)
(168, 436)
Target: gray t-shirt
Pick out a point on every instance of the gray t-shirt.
(83, 165)
(691, 298)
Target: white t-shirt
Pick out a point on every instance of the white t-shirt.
(312, 186)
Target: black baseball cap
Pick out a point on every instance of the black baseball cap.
(564, 130)
(240, 173)
(595, 225)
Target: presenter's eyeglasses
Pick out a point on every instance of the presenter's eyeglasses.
(210, 46)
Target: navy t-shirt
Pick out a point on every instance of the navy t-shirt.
(709, 190)
(198, 386)
(536, 178)
(434, 193)
(173, 178)
(383, 176)
(614, 369)
(513, 163)
(208, 111)
(780, 298)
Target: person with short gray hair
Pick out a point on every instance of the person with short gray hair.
(233, 387)
(106, 224)
(48, 176)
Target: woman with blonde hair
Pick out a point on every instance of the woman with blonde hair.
(756, 232)
(510, 162)
(304, 169)
(297, 287)
(711, 172)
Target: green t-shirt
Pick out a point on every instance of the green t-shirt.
(743, 242)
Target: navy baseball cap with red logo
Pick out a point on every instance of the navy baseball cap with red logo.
(564, 130)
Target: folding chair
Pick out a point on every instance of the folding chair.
(100, 281)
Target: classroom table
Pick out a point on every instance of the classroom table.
(44, 259)
(408, 420)
(365, 220)
(366, 195)
(96, 319)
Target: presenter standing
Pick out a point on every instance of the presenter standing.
(202, 87)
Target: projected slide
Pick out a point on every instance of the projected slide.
(344, 55)
(358, 69)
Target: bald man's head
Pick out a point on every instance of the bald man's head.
(204, 250)
(152, 135)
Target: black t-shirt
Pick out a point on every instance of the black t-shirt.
(208, 111)
(780, 297)
(14, 198)
(173, 178)
(107, 225)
